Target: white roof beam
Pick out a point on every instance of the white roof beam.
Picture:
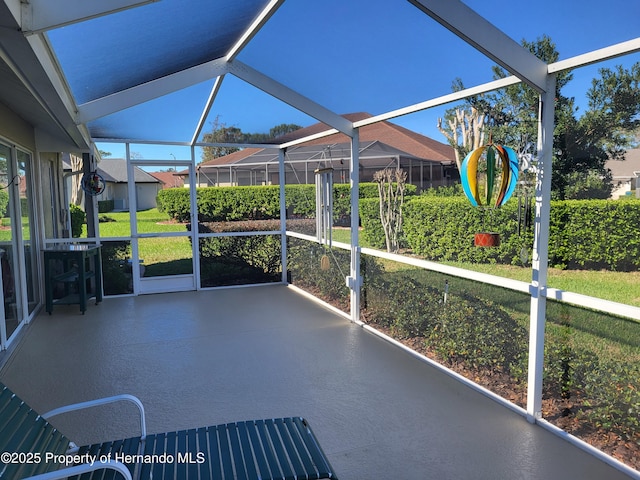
(42, 15)
(205, 113)
(44, 53)
(290, 97)
(443, 100)
(254, 28)
(595, 56)
(435, 102)
(482, 35)
(309, 138)
(130, 97)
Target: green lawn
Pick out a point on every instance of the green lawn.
(622, 287)
(161, 256)
(149, 221)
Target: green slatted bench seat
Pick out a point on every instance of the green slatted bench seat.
(282, 448)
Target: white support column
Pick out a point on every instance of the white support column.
(283, 214)
(133, 220)
(540, 251)
(195, 230)
(354, 280)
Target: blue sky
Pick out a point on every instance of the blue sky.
(379, 55)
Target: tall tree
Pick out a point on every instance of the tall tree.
(464, 125)
(391, 187)
(221, 133)
(581, 144)
(77, 194)
(283, 129)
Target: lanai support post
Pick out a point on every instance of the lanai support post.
(540, 251)
(283, 215)
(354, 280)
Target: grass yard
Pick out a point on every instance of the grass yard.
(622, 287)
(161, 256)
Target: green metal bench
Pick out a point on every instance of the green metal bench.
(283, 448)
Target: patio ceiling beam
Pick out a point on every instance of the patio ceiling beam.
(207, 108)
(78, 137)
(443, 100)
(254, 28)
(290, 97)
(30, 60)
(308, 138)
(595, 56)
(41, 15)
(130, 97)
(485, 37)
(435, 102)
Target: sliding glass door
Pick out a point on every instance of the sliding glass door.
(18, 252)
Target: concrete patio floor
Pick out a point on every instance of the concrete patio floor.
(209, 357)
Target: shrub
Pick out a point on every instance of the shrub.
(443, 229)
(105, 206)
(116, 271)
(240, 259)
(78, 218)
(372, 231)
(480, 334)
(467, 329)
(593, 234)
(304, 262)
(4, 202)
(612, 398)
(220, 204)
(480, 337)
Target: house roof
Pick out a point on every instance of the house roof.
(168, 179)
(381, 140)
(115, 170)
(625, 168)
(373, 153)
(394, 135)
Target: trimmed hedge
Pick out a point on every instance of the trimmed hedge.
(483, 338)
(222, 204)
(78, 218)
(592, 234)
(444, 228)
(595, 234)
(105, 206)
(4, 202)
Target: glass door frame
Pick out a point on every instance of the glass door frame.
(19, 263)
(169, 283)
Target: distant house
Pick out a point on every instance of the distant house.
(428, 163)
(626, 174)
(168, 179)
(114, 173)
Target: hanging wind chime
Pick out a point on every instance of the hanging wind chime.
(500, 178)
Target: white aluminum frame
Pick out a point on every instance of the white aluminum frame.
(161, 284)
(36, 16)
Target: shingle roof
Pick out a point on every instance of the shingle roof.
(625, 168)
(384, 133)
(168, 179)
(232, 157)
(115, 170)
(394, 135)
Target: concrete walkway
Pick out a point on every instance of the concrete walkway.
(210, 357)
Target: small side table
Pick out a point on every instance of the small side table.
(80, 263)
